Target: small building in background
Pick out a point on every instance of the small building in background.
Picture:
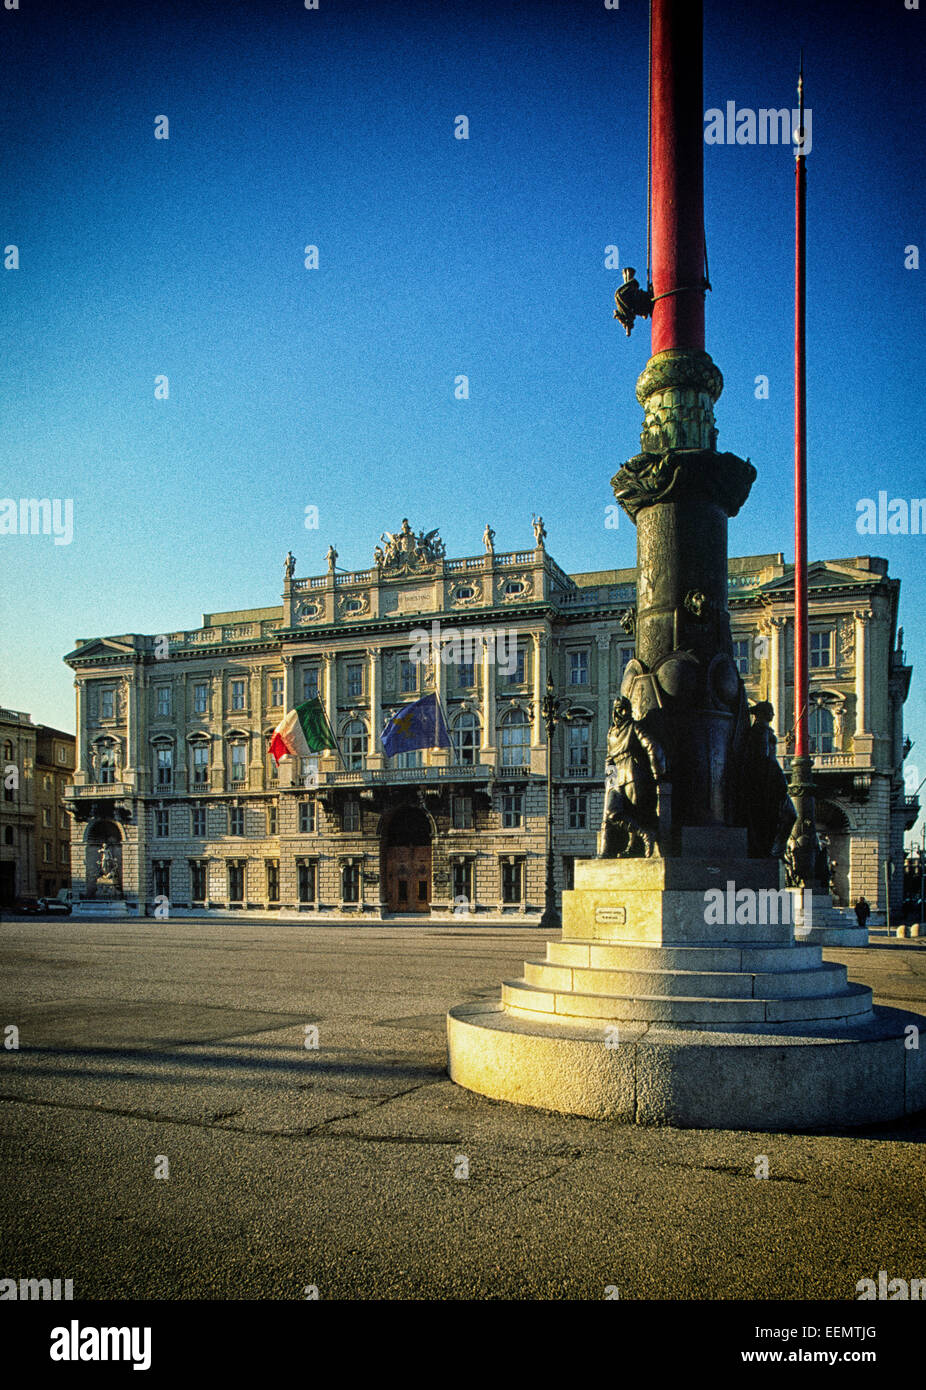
(35, 824)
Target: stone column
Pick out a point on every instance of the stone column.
(776, 670)
(375, 755)
(488, 699)
(289, 702)
(540, 678)
(862, 619)
(80, 754)
(596, 753)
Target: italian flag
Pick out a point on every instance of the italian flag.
(304, 730)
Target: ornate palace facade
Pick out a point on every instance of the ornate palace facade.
(177, 804)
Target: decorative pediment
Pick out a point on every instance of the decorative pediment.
(103, 649)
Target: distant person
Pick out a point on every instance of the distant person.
(862, 911)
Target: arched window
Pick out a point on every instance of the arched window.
(820, 729)
(465, 739)
(355, 744)
(106, 761)
(578, 749)
(515, 739)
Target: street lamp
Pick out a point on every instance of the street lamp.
(552, 710)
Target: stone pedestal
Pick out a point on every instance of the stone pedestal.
(651, 1010)
(825, 925)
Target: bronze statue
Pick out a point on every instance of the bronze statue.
(635, 767)
(289, 565)
(631, 301)
(770, 812)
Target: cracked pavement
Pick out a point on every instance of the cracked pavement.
(337, 1166)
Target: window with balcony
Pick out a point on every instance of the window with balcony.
(412, 757)
(238, 753)
(465, 739)
(515, 739)
(164, 769)
(578, 750)
(200, 764)
(354, 744)
(820, 729)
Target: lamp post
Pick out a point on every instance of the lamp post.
(552, 710)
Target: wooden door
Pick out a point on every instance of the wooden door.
(408, 878)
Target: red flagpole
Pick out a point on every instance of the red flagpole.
(801, 672)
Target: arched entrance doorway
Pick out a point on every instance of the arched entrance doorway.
(833, 829)
(406, 850)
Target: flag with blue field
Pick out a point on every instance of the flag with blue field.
(420, 725)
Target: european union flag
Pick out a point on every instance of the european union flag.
(420, 725)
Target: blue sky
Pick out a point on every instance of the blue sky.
(334, 387)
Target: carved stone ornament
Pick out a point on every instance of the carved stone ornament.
(353, 605)
(403, 552)
(525, 587)
(681, 473)
(466, 599)
(307, 612)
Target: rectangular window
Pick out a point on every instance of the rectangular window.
(350, 883)
(350, 817)
(198, 880)
(512, 878)
(163, 693)
(46, 816)
(271, 820)
(198, 822)
(569, 872)
(273, 880)
(517, 675)
(578, 668)
(200, 764)
(46, 852)
(413, 757)
(276, 690)
(47, 784)
(107, 704)
(578, 813)
(235, 881)
(63, 854)
(165, 766)
(578, 750)
(741, 647)
(200, 697)
(462, 812)
(306, 817)
(236, 820)
(238, 764)
(310, 683)
(62, 755)
(355, 679)
(307, 880)
(237, 694)
(162, 823)
(820, 649)
(408, 675)
(463, 884)
(512, 811)
(161, 872)
(625, 655)
(466, 673)
(62, 820)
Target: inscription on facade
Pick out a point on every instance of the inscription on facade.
(615, 915)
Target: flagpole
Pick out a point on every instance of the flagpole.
(803, 845)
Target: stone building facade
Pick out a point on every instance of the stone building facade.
(176, 793)
(35, 826)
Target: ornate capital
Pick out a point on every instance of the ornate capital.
(679, 474)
